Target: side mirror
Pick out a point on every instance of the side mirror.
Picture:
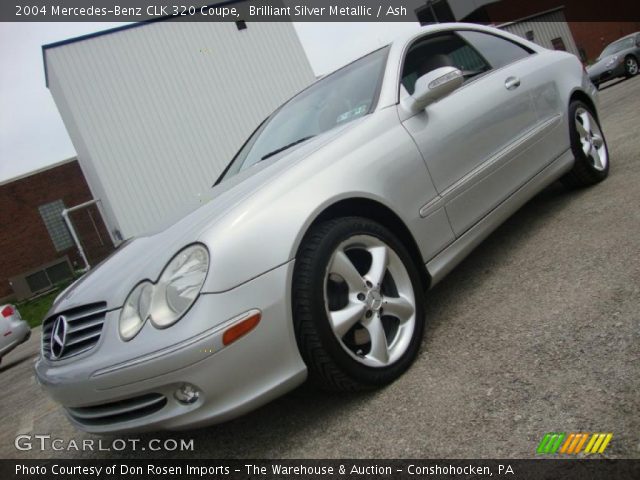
(432, 87)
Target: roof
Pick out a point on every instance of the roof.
(110, 31)
(39, 170)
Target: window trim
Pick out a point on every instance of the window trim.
(455, 31)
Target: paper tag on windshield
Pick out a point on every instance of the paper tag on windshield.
(356, 112)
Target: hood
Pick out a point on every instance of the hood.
(598, 65)
(601, 63)
(145, 257)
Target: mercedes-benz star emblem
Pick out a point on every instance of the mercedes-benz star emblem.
(58, 337)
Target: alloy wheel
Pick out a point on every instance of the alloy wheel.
(370, 301)
(632, 66)
(591, 139)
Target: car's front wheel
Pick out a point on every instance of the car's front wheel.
(357, 304)
(631, 66)
(589, 147)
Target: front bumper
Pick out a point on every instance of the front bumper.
(115, 388)
(604, 75)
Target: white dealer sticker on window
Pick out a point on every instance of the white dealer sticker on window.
(356, 112)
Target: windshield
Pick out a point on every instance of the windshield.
(616, 47)
(336, 99)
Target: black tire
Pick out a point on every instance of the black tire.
(583, 173)
(630, 66)
(329, 364)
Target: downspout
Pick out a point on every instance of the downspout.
(72, 230)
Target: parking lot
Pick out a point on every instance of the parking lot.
(537, 331)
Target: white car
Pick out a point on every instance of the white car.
(13, 330)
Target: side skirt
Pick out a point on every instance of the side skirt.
(439, 266)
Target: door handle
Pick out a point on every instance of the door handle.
(511, 83)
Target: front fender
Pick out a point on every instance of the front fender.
(376, 160)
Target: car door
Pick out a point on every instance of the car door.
(469, 139)
(542, 75)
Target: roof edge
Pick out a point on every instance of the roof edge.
(120, 28)
(532, 16)
(89, 36)
(22, 176)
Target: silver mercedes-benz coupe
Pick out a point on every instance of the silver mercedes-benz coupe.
(314, 252)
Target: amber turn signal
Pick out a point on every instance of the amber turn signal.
(240, 329)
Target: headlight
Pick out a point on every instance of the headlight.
(179, 285)
(165, 302)
(612, 61)
(135, 310)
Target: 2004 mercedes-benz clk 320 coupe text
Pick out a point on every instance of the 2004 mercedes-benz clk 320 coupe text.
(313, 255)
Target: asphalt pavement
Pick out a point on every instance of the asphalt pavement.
(537, 331)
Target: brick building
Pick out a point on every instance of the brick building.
(592, 37)
(36, 247)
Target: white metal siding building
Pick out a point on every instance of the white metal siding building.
(155, 112)
(545, 29)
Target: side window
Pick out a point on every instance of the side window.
(444, 50)
(498, 51)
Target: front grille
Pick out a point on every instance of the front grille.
(83, 328)
(120, 411)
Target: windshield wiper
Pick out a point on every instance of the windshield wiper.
(289, 145)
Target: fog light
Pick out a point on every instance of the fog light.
(187, 394)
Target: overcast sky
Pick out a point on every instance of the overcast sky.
(32, 134)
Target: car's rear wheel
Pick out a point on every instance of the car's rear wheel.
(589, 147)
(631, 66)
(357, 304)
